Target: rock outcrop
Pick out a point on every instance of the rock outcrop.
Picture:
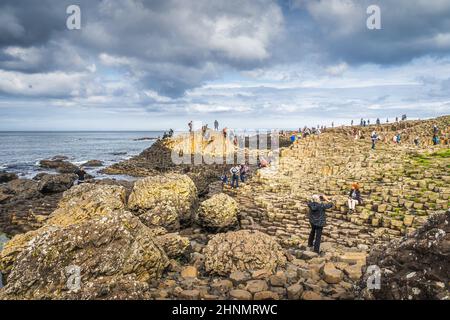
(164, 200)
(86, 201)
(60, 166)
(114, 254)
(7, 176)
(92, 163)
(241, 251)
(220, 211)
(54, 183)
(416, 267)
(173, 244)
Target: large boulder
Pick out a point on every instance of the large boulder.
(53, 183)
(173, 244)
(85, 201)
(92, 163)
(6, 176)
(242, 250)
(219, 211)
(59, 165)
(164, 200)
(114, 254)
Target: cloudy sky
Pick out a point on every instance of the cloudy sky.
(150, 65)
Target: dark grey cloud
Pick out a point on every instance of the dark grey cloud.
(410, 29)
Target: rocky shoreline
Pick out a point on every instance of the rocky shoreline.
(175, 234)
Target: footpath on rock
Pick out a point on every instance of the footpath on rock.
(175, 233)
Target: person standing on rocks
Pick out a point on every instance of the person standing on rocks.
(374, 138)
(243, 172)
(224, 179)
(235, 176)
(354, 197)
(190, 126)
(317, 219)
(216, 125)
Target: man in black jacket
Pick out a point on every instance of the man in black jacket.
(317, 219)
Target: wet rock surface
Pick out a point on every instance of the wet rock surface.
(7, 176)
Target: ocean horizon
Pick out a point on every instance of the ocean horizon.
(21, 151)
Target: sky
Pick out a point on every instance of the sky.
(155, 65)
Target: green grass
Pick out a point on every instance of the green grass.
(445, 153)
(426, 159)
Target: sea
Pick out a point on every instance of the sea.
(20, 152)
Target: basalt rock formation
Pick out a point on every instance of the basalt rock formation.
(218, 212)
(114, 252)
(395, 227)
(242, 251)
(416, 267)
(164, 200)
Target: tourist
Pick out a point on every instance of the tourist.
(435, 139)
(263, 163)
(396, 119)
(354, 197)
(224, 132)
(399, 138)
(351, 123)
(235, 176)
(416, 141)
(378, 121)
(216, 125)
(244, 171)
(190, 126)
(81, 175)
(224, 179)
(387, 120)
(293, 137)
(435, 129)
(374, 138)
(317, 219)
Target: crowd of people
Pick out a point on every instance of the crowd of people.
(234, 175)
(319, 204)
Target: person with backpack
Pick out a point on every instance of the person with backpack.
(399, 138)
(354, 197)
(235, 176)
(374, 138)
(243, 172)
(435, 139)
(317, 219)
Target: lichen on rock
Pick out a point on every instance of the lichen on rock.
(219, 211)
(164, 200)
(105, 249)
(85, 201)
(242, 251)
